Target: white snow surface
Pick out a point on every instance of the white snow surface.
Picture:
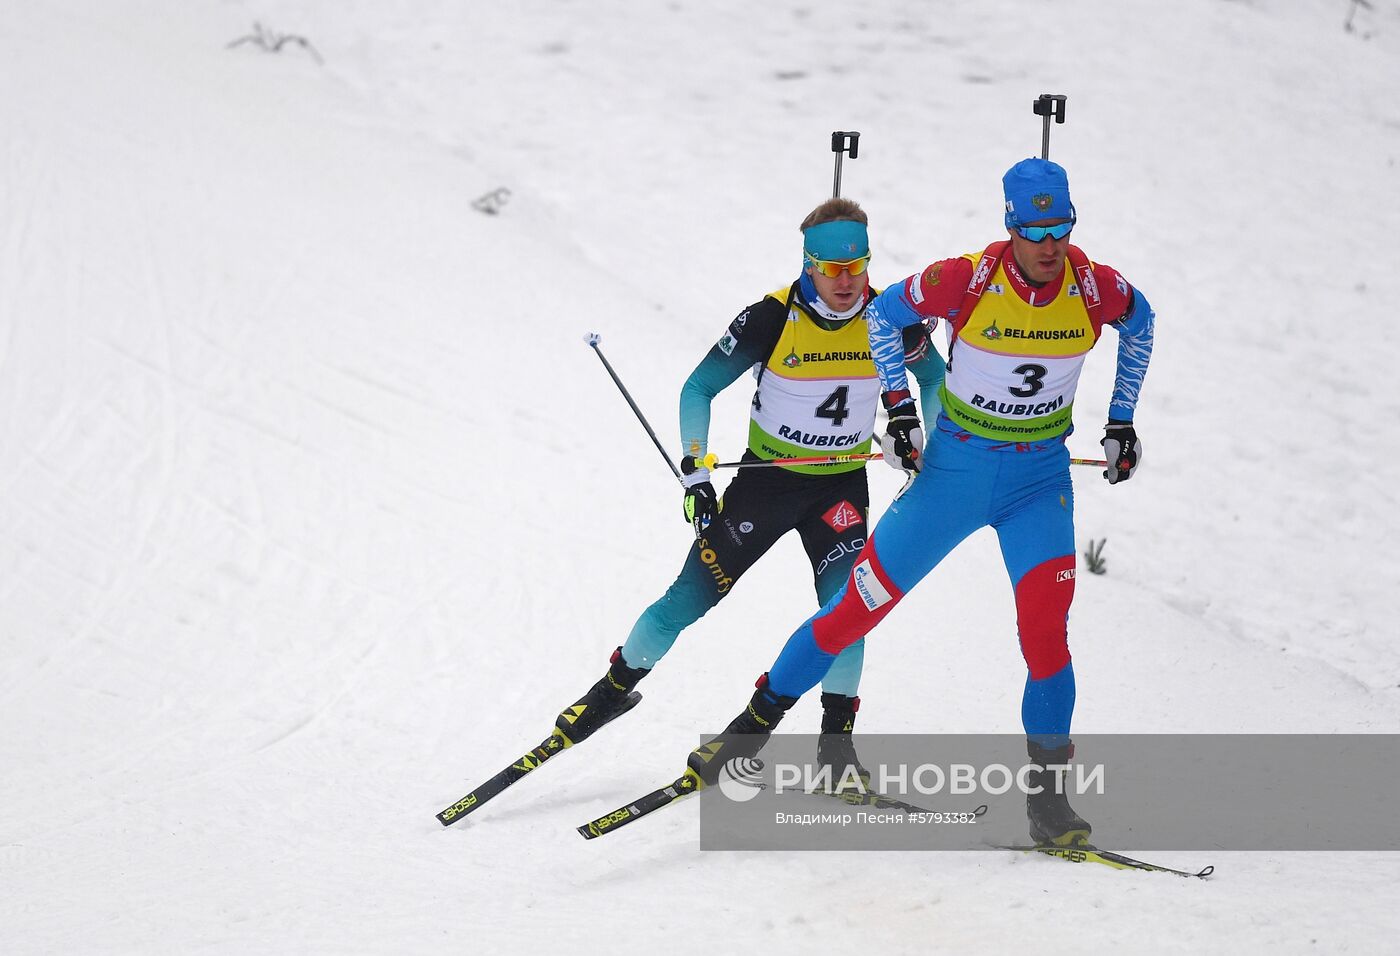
(315, 509)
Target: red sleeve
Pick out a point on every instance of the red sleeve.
(939, 289)
(1117, 295)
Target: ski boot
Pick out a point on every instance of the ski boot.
(744, 737)
(606, 700)
(836, 751)
(1053, 821)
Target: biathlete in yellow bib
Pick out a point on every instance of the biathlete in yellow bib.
(816, 395)
(1021, 317)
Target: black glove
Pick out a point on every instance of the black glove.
(701, 502)
(1122, 449)
(903, 441)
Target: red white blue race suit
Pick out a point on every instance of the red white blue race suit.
(995, 456)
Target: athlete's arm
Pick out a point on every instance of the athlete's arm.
(749, 340)
(932, 294)
(1134, 325)
(887, 315)
(923, 360)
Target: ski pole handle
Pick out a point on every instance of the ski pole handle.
(593, 338)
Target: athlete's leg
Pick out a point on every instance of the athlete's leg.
(946, 503)
(754, 515)
(1036, 531)
(833, 532)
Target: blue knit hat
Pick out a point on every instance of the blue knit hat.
(1036, 189)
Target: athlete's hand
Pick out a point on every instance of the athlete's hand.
(903, 441)
(1122, 449)
(701, 503)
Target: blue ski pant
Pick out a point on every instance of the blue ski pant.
(1026, 496)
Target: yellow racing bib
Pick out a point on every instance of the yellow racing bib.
(817, 393)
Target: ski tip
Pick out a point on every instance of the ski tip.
(458, 810)
(588, 831)
(449, 816)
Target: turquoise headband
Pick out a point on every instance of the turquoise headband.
(836, 241)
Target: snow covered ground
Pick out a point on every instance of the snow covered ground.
(314, 508)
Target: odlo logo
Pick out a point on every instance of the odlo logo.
(842, 548)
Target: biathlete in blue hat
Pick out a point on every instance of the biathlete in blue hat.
(1021, 316)
(817, 393)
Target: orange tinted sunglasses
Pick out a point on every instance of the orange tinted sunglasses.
(831, 268)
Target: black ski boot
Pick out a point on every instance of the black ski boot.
(611, 697)
(1053, 821)
(744, 737)
(835, 748)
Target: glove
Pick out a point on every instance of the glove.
(1122, 449)
(701, 502)
(903, 441)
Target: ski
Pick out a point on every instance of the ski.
(690, 782)
(684, 785)
(555, 743)
(1087, 853)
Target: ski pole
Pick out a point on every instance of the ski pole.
(593, 338)
(1047, 105)
(842, 143)
(712, 461)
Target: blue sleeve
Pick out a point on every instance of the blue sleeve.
(1134, 352)
(748, 340)
(887, 317)
(923, 360)
(713, 375)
